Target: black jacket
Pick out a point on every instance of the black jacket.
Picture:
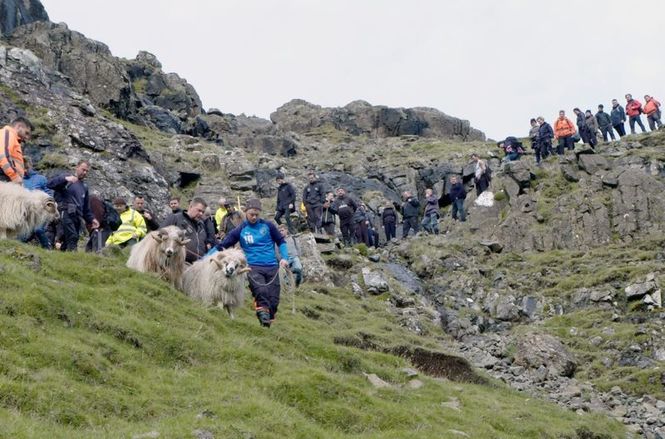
(71, 197)
(545, 132)
(210, 228)
(604, 120)
(286, 195)
(314, 194)
(328, 216)
(359, 216)
(457, 192)
(411, 208)
(344, 207)
(195, 231)
(389, 216)
(152, 223)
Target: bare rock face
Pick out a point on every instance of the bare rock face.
(15, 13)
(361, 118)
(540, 350)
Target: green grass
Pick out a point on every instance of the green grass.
(91, 349)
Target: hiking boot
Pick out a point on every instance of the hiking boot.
(264, 317)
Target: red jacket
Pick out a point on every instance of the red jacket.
(651, 106)
(633, 108)
(563, 128)
(11, 154)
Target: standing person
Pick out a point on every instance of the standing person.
(592, 128)
(431, 216)
(545, 136)
(295, 265)
(652, 110)
(618, 116)
(11, 151)
(534, 132)
(345, 207)
(564, 130)
(389, 220)
(313, 197)
(209, 225)
(101, 211)
(286, 201)
(258, 238)
(360, 225)
(481, 174)
(410, 210)
(149, 217)
(34, 181)
(190, 221)
(174, 205)
(71, 194)
(328, 215)
(457, 197)
(582, 128)
(633, 110)
(221, 213)
(604, 123)
(132, 229)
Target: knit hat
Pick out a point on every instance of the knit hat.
(279, 176)
(253, 203)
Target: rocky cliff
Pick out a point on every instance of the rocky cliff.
(15, 13)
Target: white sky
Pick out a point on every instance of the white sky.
(495, 62)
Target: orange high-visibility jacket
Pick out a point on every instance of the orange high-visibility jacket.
(11, 154)
(564, 128)
(651, 107)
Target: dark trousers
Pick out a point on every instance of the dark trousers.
(408, 224)
(654, 121)
(458, 209)
(97, 240)
(362, 235)
(40, 235)
(605, 131)
(631, 122)
(329, 229)
(543, 150)
(390, 230)
(482, 184)
(373, 237)
(286, 213)
(71, 228)
(621, 129)
(264, 285)
(564, 143)
(347, 231)
(314, 215)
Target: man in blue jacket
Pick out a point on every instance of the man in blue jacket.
(71, 193)
(34, 181)
(258, 238)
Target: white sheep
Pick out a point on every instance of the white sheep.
(161, 252)
(22, 211)
(218, 280)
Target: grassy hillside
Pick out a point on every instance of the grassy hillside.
(91, 349)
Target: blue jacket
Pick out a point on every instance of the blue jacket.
(73, 197)
(35, 182)
(258, 242)
(457, 192)
(545, 132)
(618, 115)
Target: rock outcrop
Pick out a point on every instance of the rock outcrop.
(361, 118)
(15, 13)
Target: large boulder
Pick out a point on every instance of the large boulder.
(15, 13)
(534, 350)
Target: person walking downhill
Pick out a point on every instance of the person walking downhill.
(258, 239)
(430, 220)
(457, 197)
(313, 197)
(545, 136)
(634, 110)
(618, 116)
(286, 201)
(389, 220)
(481, 174)
(591, 127)
(534, 132)
(344, 206)
(328, 216)
(410, 210)
(652, 110)
(564, 130)
(604, 123)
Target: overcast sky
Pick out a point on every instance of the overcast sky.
(496, 63)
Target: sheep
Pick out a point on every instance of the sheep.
(22, 210)
(161, 252)
(218, 280)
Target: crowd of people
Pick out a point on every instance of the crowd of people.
(586, 128)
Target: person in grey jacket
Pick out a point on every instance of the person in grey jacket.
(410, 211)
(592, 127)
(431, 217)
(604, 123)
(294, 253)
(618, 116)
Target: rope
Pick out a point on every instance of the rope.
(287, 278)
(259, 284)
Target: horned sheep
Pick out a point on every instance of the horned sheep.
(22, 210)
(161, 252)
(219, 280)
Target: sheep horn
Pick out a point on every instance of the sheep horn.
(157, 237)
(244, 270)
(183, 241)
(216, 261)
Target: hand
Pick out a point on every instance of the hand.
(147, 216)
(284, 263)
(71, 178)
(291, 206)
(95, 223)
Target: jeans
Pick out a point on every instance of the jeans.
(620, 129)
(430, 223)
(41, 236)
(286, 213)
(605, 131)
(654, 121)
(296, 269)
(458, 209)
(631, 122)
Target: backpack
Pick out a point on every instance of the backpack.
(488, 172)
(111, 219)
